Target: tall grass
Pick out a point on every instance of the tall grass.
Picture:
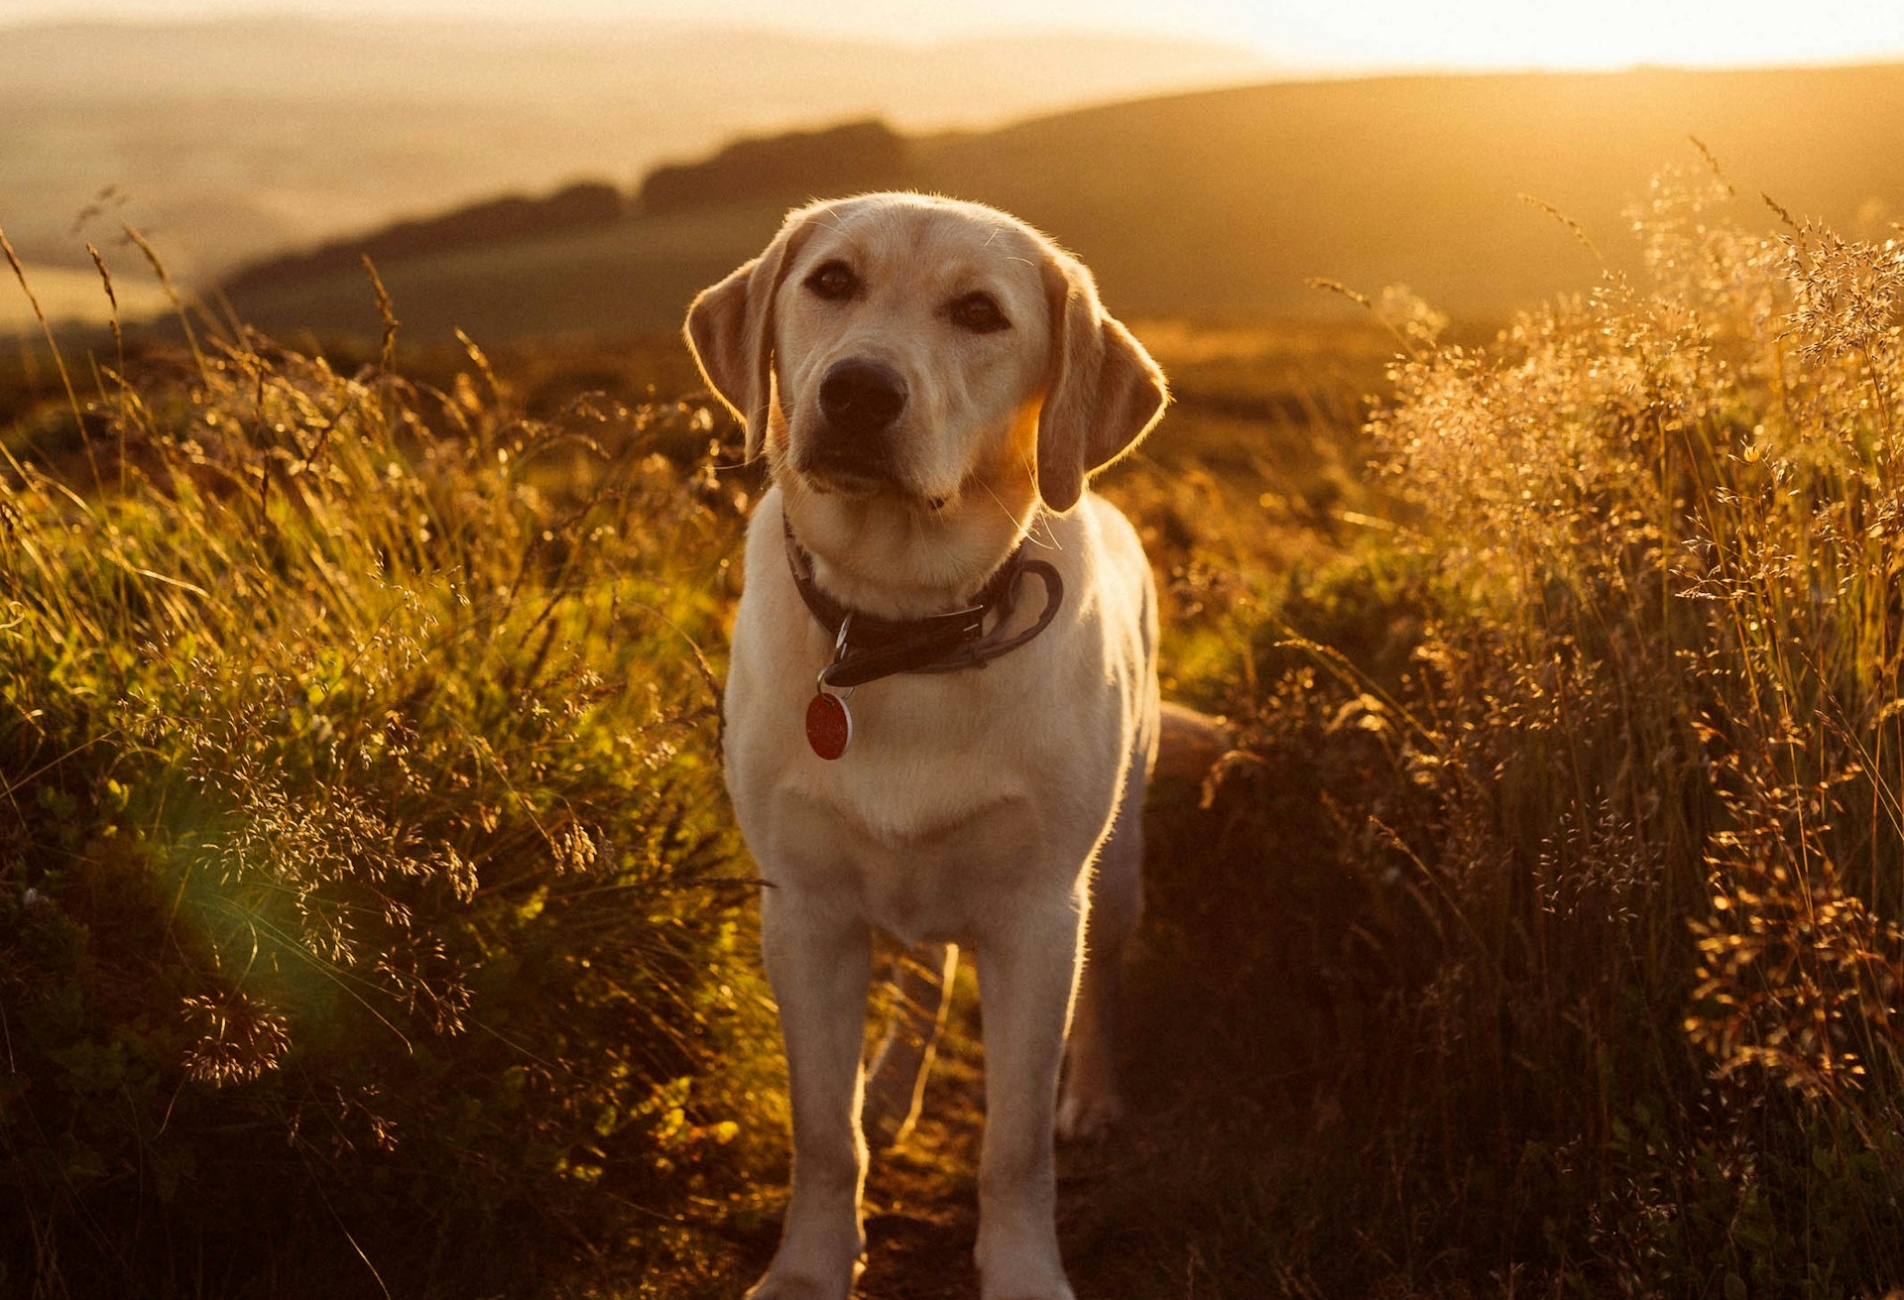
(361, 858)
(363, 924)
(1606, 921)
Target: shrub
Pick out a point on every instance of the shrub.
(1642, 902)
(362, 920)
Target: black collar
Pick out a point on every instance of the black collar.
(868, 647)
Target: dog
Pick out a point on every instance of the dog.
(942, 701)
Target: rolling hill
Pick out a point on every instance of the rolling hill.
(234, 139)
(1222, 204)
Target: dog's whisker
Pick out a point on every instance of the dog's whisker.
(1038, 517)
(1018, 525)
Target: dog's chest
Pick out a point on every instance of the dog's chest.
(940, 883)
(963, 793)
(954, 799)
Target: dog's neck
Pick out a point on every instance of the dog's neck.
(896, 560)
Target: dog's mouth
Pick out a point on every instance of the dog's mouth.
(860, 476)
(851, 477)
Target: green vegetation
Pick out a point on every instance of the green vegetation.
(368, 915)
(1549, 942)
(362, 856)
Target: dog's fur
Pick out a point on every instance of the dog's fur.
(991, 807)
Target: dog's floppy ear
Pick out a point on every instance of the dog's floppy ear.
(730, 331)
(1105, 392)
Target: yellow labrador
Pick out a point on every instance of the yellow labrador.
(942, 703)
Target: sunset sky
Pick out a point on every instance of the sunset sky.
(1304, 34)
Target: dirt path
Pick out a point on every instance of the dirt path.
(1199, 1131)
(922, 1196)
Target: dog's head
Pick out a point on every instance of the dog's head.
(896, 355)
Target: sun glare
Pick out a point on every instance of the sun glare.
(1517, 34)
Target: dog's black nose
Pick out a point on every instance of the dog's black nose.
(861, 397)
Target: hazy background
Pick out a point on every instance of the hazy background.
(1310, 34)
(1343, 141)
(236, 136)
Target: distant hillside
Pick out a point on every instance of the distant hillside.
(1227, 201)
(234, 139)
(1223, 203)
(784, 168)
(573, 207)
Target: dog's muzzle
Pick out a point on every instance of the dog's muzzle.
(851, 448)
(861, 399)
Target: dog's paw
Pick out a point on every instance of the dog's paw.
(813, 1265)
(1025, 1268)
(1035, 1277)
(777, 1286)
(1084, 1115)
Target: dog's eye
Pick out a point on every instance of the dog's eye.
(833, 281)
(979, 313)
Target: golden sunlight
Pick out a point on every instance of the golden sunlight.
(1303, 36)
(1516, 34)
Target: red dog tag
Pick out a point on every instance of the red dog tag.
(829, 725)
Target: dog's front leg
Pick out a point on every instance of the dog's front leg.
(1027, 972)
(819, 959)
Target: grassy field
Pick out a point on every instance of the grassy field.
(371, 922)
